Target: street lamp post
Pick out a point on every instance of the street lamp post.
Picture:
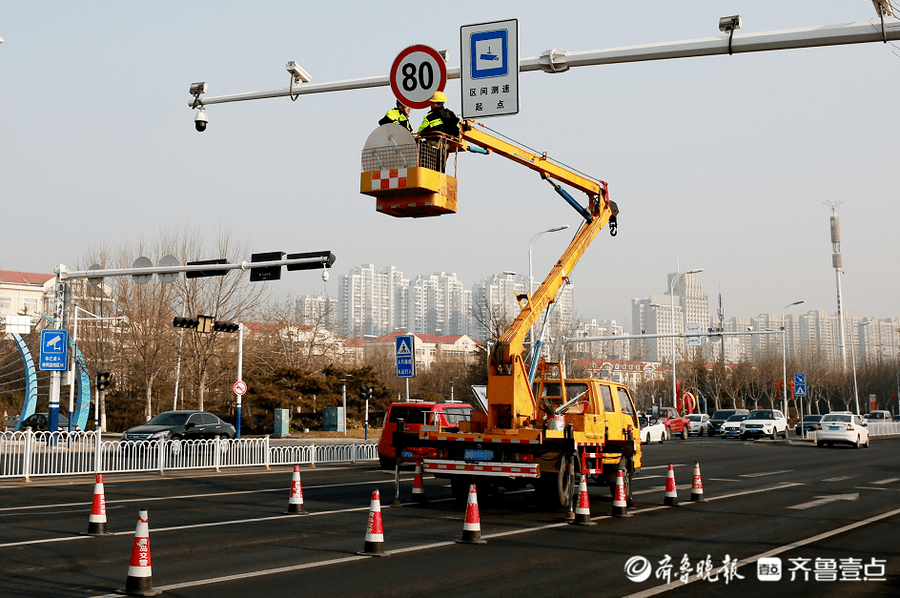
(344, 397)
(784, 386)
(672, 302)
(853, 359)
(531, 278)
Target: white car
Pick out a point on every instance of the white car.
(842, 427)
(699, 424)
(770, 423)
(652, 430)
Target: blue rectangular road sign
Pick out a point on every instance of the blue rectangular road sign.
(406, 356)
(54, 350)
(489, 69)
(799, 385)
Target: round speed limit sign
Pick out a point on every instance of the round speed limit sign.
(418, 72)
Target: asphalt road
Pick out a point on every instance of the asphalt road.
(828, 514)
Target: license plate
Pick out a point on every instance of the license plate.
(478, 455)
(407, 454)
(834, 427)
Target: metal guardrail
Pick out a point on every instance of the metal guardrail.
(28, 453)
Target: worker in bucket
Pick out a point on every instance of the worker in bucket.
(398, 115)
(437, 123)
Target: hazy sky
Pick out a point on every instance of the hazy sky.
(719, 163)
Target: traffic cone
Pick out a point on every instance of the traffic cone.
(97, 519)
(671, 499)
(620, 501)
(583, 510)
(418, 491)
(472, 525)
(295, 502)
(374, 545)
(697, 485)
(139, 581)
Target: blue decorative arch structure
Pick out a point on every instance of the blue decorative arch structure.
(30, 403)
(83, 390)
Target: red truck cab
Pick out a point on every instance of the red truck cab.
(415, 414)
(676, 423)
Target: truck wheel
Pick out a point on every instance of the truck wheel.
(459, 485)
(684, 433)
(626, 481)
(556, 488)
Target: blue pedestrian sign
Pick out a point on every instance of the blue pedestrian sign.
(406, 356)
(54, 350)
(799, 385)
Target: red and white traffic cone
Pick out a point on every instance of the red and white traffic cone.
(418, 491)
(139, 581)
(697, 485)
(583, 509)
(374, 545)
(97, 519)
(472, 525)
(620, 500)
(295, 502)
(671, 499)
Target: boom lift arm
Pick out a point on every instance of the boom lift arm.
(511, 403)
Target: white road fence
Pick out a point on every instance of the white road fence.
(26, 454)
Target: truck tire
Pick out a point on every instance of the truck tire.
(684, 433)
(459, 485)
(626, 481)
(556, 488)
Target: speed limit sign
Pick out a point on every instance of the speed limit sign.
(418, 72)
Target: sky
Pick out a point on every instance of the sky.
(721, 163)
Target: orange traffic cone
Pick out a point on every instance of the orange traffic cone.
(295, 502)
(583, 510)
(472, 525)
(671, 495)
(697, 485)
(97, 519)
(418, 491)
(139, 581)
(620, 501)
(374, 545)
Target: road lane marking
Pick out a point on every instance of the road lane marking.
(763, 473)
(887, 481)
(285, 489)
(824, 500)
(774, 552)
(840, 478)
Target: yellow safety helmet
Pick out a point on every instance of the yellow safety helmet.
(439, 97)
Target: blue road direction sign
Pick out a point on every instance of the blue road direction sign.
(489, 74)
(54, 350)
(406, 356)
(799, 385)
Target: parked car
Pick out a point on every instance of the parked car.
(809, 424)
(652, 430)
(720, 417)
(878, 417)
(186, 424)
(39, 422)
(699, 424)
(676, 423)
(842, 428)
(764, 422)
(416, 414)
(732, 426)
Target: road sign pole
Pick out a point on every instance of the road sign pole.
(240, 376)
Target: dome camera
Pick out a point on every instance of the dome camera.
(200, 121)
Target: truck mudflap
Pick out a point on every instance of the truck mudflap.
(513, 470)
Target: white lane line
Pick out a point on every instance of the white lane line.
(824, 500)
(840, 478)
(887, 481)
(774, 552)
(763, 473)
(349, 559)
(285, 489)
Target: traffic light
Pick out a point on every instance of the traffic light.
(185, 322)
(365, 392)
(102, 380)
(226, 326)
